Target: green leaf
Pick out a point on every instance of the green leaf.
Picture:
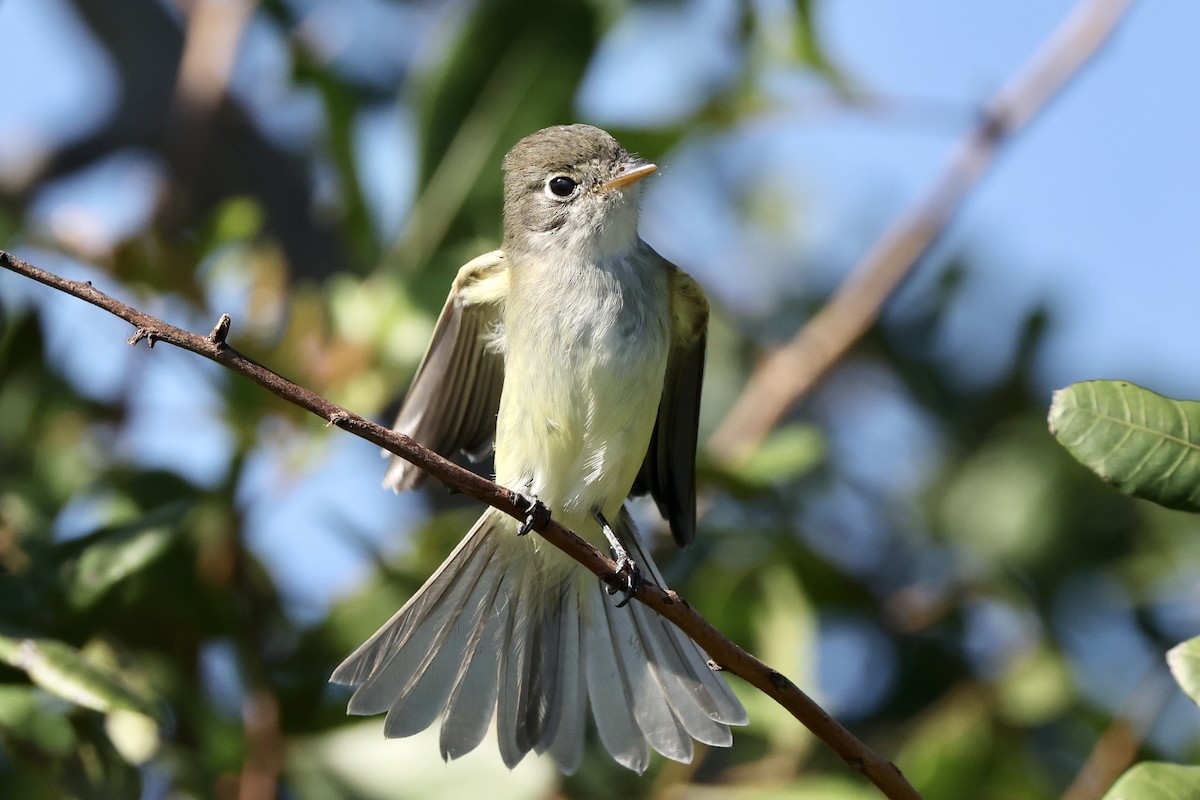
(112, 556)
(514, 67)
(62, 670)
(948, 749)
(1036, 687)
(1142, 443)
(1184, 661)
(32, 717)
(787, 453)
(237, 219)
(135, 735)
(357, 761)
(1156, 781)
(807, 787)
(785, 625)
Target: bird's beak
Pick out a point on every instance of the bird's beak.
(628, 175)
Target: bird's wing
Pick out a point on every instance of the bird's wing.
(669, 471)
(452, 403)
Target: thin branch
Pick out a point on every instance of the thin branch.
(666, 602)
(214, 31)
(1117, 748)
(792, 370)
(464, 159)
(259, 778)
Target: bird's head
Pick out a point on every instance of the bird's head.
(569, 187)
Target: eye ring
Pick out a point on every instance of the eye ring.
(560, 187)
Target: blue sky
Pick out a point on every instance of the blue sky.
(1093, 209)
(1095, 206)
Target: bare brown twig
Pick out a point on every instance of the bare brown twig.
(259, 779)
(789, 372)
(666, 602)
(1117, 748)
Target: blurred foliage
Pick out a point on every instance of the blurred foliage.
(951, 595)
(1157, 780)
(1144, 444)
(1184, 660)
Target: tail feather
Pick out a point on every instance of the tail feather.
(543, 677)
(374, 657)
(705, 688)
(653, 711)
(683, 691)
(568, 716)
(515, 658)
(609, 693)
(713, 693)
(472, 701)
(426, 691)
(495, 633)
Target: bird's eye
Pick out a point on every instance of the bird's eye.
(561, 186)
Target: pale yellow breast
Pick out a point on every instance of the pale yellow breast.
(586, 350)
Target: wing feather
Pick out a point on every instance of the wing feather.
(669, 471)
(455, 394)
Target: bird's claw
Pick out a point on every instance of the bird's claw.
(628, 579)
(536, 515)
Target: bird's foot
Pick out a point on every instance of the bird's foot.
(536, 514)
(628, 574)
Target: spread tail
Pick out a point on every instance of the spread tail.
(496, 630)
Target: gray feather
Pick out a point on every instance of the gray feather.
(396, 651)
(651, 710)
(668, 472)
(708, 690)
(455, 394)
(608, 691)
(543, 676)
(472, 701)
(513, 699)
(423, 696)
(686, 694)
(568, 715)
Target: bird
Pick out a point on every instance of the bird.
(576, 353)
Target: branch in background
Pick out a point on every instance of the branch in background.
(214, 30)
(666, 602)
(476, 138)
(789, 372)
(1117, 748)
(259, 778)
